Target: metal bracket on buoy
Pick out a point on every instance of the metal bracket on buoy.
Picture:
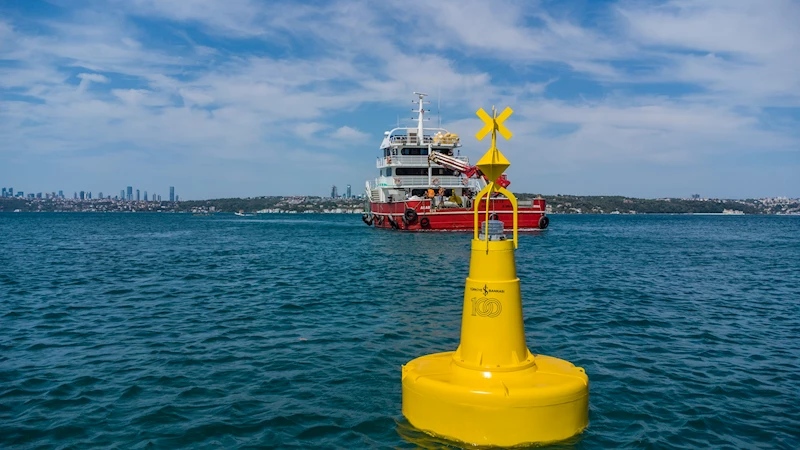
(493, 164)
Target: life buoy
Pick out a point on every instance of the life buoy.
(435, 181)
(410, 215)
(367, 219)
(393, 222)
(544, 221)
(398, 181)
(424, 222)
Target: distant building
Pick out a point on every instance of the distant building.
(4, 192)
(172, 193)
(89, 196)
(145, 195)
(334, 192)
(100, 195)
(39, 195)
(75, 196)
(137, 195)
(122, 194)
(349, 194)
(130, 193)
(83, 195)
(60, 194)
(177, 198)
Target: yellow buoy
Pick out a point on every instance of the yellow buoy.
(492, 390)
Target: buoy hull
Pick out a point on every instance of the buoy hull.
(545, 402)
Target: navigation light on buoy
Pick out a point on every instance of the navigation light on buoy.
(492, 390)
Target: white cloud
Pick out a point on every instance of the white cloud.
(88, 78)
(94, 77)
(216, 104)
(744, 50)
(349, 134)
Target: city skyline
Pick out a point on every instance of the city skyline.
(125, 194)
(644, 99)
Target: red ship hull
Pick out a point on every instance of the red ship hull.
(395, 216)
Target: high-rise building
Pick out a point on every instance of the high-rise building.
(39, 195)
(172, 193)
(130, 193)
(122, 194)
(11, 192)
(75, 196)
(137, 195)
(159, 198)
(349, 193)
(100, 195)
(89, 195)
(60, 194)
(145, 195)
(83, 195)
(334, 192)
(4, 192)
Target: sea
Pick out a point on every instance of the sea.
(151, 331)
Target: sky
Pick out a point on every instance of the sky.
(240, 98)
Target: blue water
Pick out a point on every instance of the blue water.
(163, 331)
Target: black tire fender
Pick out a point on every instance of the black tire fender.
(544, 221)
(393, 222)
(410, 215)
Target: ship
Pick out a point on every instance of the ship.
(424, 183)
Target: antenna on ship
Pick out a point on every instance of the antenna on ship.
(421, 112)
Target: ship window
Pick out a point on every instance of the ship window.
(387, 172)
(443, 172)
(414, 151)
(412, 171)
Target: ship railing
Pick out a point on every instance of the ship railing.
(445, 141)
(409, 160)
(420, 181)
(410, 140)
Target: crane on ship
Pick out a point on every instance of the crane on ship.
(469, 171)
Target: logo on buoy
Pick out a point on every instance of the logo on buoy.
(486, 291)
(486, 307)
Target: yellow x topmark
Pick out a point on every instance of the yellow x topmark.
(494, 123)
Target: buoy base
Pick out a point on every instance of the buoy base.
(545, 402)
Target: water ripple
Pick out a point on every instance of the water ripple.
(151, 331)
